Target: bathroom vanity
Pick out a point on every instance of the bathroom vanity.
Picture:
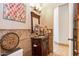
(39, 46)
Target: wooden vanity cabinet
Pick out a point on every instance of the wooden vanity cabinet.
(39, 46)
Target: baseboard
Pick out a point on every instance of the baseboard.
(61, 44)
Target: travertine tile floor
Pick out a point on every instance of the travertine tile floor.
(62, 51)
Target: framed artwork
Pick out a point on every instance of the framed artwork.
(14, 11)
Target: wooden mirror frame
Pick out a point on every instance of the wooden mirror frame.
(36, 16)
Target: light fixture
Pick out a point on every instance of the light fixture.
(36, 6)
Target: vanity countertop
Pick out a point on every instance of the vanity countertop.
(39, 37)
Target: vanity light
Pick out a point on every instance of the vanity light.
(36, 6)
(40, 9)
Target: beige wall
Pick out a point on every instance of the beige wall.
(47, 14)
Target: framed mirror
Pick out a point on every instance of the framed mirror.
(35, 19)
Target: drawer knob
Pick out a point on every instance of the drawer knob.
(35, 45)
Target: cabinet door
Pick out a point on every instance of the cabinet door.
(36, 47)
(45, 47)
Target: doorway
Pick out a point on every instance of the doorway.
(61, 30)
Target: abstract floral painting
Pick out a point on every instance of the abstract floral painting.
(14, 11)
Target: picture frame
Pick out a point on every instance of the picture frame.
(14, 12)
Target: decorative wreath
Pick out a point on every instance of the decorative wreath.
(10, 41)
